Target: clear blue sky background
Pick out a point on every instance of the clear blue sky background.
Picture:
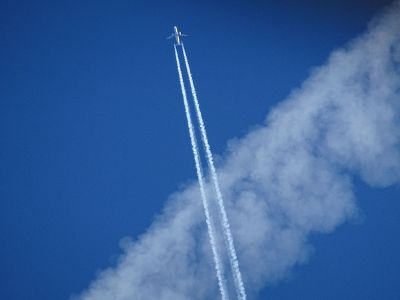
(93, 136)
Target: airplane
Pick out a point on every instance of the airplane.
(177, 34)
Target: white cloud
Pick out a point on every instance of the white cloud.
(282, 181)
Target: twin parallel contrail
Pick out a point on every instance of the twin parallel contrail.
(223, 218)
(200, 177)
(240, 290)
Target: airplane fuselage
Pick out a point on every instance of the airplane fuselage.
(177, 35)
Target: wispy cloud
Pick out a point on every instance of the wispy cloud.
(287, 179)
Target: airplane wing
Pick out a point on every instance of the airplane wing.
(184, 34)
(171, 36)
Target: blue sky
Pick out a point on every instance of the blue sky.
(93, 136)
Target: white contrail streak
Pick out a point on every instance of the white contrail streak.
(200, 177)
(224, 218)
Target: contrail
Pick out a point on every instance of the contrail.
(200, 177)
(241, 293)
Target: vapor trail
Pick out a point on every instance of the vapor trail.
(200, 177)
(241, 293)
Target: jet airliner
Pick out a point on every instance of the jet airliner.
(177, 34)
